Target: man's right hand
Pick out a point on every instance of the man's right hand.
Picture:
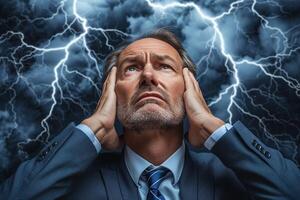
(101, 122)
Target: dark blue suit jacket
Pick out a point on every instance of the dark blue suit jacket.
(238, 167)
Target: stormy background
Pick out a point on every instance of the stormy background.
(52, 53)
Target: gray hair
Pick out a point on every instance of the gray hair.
(160, 34)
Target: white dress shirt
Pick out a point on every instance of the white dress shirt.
(136, 164)
(169, 186)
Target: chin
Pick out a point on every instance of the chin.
(150, 107)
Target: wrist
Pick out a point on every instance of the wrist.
(203, 129)
(212, 123)
(94, 125)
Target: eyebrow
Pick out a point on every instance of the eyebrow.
(131, 58)
(162, 57)
(139, 58)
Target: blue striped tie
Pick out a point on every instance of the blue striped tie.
(154, 177)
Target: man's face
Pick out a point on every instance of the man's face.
(149, 85)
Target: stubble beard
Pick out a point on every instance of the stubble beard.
(141, 118)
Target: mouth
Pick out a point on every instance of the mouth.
(150, 95)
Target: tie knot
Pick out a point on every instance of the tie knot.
(155, 176)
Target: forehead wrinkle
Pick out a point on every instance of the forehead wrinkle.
(131, 57)
(162, 57)
(150, 45)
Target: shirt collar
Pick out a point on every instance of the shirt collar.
(136, 164)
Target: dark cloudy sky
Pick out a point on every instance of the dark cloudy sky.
(52, 52)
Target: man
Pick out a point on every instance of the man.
(150, 87)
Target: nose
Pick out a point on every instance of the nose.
(149, 76)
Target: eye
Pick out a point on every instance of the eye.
(131, 69)
(166, 67)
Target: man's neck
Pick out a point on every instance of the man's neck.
(155, 145)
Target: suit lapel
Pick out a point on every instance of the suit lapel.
(118, 183)
(110, 177)
(188, 180)
(196, 182)
(128, 188)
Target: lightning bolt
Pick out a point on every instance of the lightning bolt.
(77, 27)
(80, 39)
(232, 65)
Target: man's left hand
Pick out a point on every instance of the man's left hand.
(202, 122)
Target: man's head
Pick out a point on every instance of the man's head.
(150, 83)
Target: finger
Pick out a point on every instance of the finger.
(105, 83)
(196, 84)
(109, 84)
(187, 79)
(109, 93)
(111, 78)
(108, 108)
(100, 101)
